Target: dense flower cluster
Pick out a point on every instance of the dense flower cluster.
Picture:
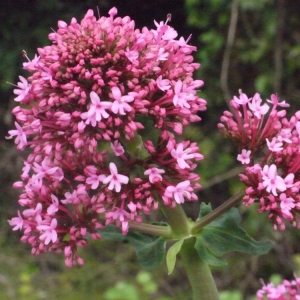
(86, 111)
(269, 149)
(288, 290)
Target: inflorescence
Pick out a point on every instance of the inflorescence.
(269, 150)
(85, 112)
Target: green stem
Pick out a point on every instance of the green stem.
(216, 212)
(164, 231)
(177, 220)
(198, 272)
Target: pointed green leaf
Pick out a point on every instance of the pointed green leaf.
(224, 235)
(149, 249)
(205, 253)
(171, 255)
(204, 209)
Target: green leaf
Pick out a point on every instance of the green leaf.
(224, 235)
(149, 249)
(204, 210)
(171, 255)
(135, 146)
(206, 254)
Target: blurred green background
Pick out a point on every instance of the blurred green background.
(252, 45)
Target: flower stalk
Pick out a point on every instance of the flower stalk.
(198, 272)
(231, 202)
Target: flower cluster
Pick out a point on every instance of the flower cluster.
(288, 290)
(86, 111)
(269, 150)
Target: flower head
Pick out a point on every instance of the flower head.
(272, 163)
(100, 92)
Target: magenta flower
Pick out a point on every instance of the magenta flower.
(179, 192)
(114, 179)
(274, 145)
(120, 105)
(97, 110)
(244, 157)
(181, 96)
(24, 88)
(181, 156)
(154, 174)
(242, 100)
(54, 207)
(21, 138)
(33, 212)
(117, 148)
(48, 232)
(17, 222)
(132, 55)
(45, 169)
(256, 107)
(163, 84)
(271, 181)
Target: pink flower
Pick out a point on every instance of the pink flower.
(179, 192)
(274, 145)
(24, 88)
(117, 148)
(181, 156)
(53, 208)
(45, 168)
(258, 109)
(163, 84)
(181, 97)
(154, 174)
(272, 181)
(17, 222)
(115, 180)
(275, 102)
(21, 139)
(93, 177)
(33, 212)
(49, 233)
(132, 55)
(121, 216)
(97, 110)
(120, 105)
(71, 198)
(31, 65)
(243, 100)
(244, 157)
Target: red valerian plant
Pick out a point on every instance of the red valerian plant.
(92, 88)
(95, 169)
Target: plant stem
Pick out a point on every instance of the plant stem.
(198, 272)
(164, 231)
(177, 220)
(216, 212)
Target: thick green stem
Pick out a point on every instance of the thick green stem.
(177, 220)
(216, 212)
(158, 230)
(198, 272)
